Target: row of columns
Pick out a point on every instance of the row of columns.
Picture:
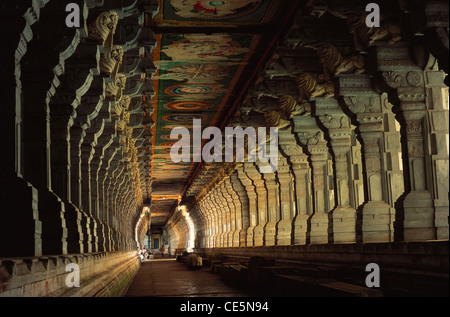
(75, 124)
(363, 153)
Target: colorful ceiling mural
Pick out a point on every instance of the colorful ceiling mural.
(196, 73)
(215, 13)
(197, 78)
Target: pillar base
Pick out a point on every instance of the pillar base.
(301, 229)
(250, 236)
(221, 240)
(284, 232)
(319, 229)
(377, 222)
(54, 230)
(74, 229)
(344, 225)
(419, 216)
(234, 238)
(258, 235)
(243, 238)
(270, 231)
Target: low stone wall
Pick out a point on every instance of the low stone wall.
(423, 257)
(405, 268)
(100, 274)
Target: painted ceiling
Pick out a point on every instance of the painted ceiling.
(205, 51)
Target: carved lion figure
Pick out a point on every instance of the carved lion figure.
(335, 63)
(310, 88)
(104, 28)
(111, 60)
(291, 107)
(275, 119)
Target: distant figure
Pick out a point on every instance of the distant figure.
(144, 255)
(169, 251)
(162, 251)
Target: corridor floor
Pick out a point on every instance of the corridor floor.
(169, 278)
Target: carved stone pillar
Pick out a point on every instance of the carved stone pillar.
(337, 126)
(311, 137)
(229, 214)
(241, 202)
(260, 233)
(233, 198)
(214, 238)
(421, 105)
(425, 207)
(221, 217)
(302, 183)
(211, 229)
(359, 98)
(287, 202)
(207, 225)
(204, 228)
(252, 204)
(232, 222)
(20, 231)
(273, 208)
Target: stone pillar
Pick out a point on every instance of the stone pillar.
(241, 200)
(287, 202)
(365, 105)
(228, 211)
(339, 131)
(302, 182)
(221, 216)
(20, 227)
(261, 200)
(206, 225)
(237, 206)
(37, 93)
(252, 205)
(425, 205)
(420, 105)
(214, 223)
(233, 238)
(311, 137)
(211, 229)
(273, 208)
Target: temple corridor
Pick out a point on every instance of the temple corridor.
(253, 148)
(167, 277)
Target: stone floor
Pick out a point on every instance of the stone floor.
(169, 278)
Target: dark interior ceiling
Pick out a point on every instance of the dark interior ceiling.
(207, 54)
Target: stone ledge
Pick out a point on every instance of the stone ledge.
(101, 274)
(425, 257)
